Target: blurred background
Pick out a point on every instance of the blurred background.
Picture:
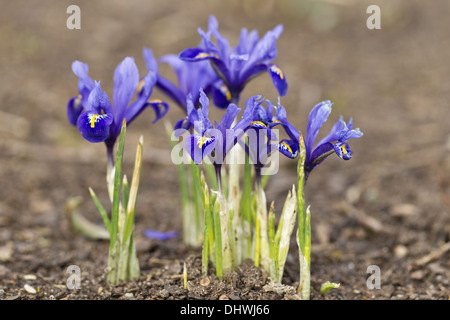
(392, 196)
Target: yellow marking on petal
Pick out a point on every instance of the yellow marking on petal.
(277, 71)
(258, 122)
(77, 101)
(202, 141)
(287, 146)
(202, 55)
(155, 101)
(93, 120)
(225, 91)
(140, 86)
(277, 121)
(344, 150)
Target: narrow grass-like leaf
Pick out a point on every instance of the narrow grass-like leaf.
(185, 187)
(257, 241)
(284, 232)
(208, 229)
(125, 191)
(132, 198)
(211, 175)
(327, 286)
(184, 276)
(218, 239)
(117, 182)
(246, 208)
(271, 228)
(304, 227)
(197, 201)
(102, 211)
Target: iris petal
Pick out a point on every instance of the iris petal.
(172, 91)
(249, 73)
(150, 61)
(199, 147)
(85, 83)
(278, 79)
(99, 101)
(74, 109)
(199, 54)
(94, 124)
(94, 127)
(221, 95)
(288, 148)
(159, 107)
(126, 80)
(160, 235)
(343, 150)
(195, 54)
(281, 115)
(141, 103)
(317, 117)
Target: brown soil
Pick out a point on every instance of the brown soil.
(389, 206)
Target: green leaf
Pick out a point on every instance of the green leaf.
(125, 191)
(218, 239)
(117, 182)
(132, 197)
(102, 211)
(327, 286)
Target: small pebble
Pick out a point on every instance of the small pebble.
(224, 297)
(417, 275)
(400, 251)
(164, 293)
(29, 289)
(29, 277)
(2, 292)
(205, 282)
(129, 295)
(404, 210)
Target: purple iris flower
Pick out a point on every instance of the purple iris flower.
(77, 104)
(215, 141)
(190, 76)
(288, 147)
(236, 66)
(260, 146)
(334, 142)
(100, 121)
(160, 235)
